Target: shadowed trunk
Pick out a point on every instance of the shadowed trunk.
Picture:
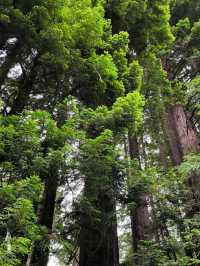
(98, 236)
(40, 253)
(140, 217)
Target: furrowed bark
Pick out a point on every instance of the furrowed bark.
(98, 236)
(140, 217)
(40, 252)
(183, 138)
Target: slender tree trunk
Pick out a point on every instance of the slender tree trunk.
(98, 236)
(140, 217)
(40, 252)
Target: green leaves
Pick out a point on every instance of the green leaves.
(190, 165)
(126, 113)
(195, 35)
(18, 219)
(128, 110)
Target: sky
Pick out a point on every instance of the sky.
(53, 261)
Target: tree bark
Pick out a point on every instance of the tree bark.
(98, 236)
(182, 136)
(140, 217)
(40, 252)
(183, 139)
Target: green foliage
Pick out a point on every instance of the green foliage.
(97, 152)
(125, 62)
(182, 28)
(126, 113)
(190, 165)
(18, 220)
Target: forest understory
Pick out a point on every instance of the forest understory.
(99, 132)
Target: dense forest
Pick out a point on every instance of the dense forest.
(100, 132)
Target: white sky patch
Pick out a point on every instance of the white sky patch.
(15, 71)
(53, 261)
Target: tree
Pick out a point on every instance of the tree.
(99, 131)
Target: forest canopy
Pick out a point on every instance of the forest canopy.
(99, 132)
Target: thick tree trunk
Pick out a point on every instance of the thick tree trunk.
(183, 139)
(182, 136)
(140, 222)
(40, 253)
(140, 216)
(98, 236)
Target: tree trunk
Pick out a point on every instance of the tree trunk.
(40, 253)
(140, 217)
(182, 136)
(183, 139)
(98, 236)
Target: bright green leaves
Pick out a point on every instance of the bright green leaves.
(107, 75)
(85, 23)
(37, 29)
(158, 18)
(18, 219)
(99, 163)
(133, 78)
(146, 21)
(31, 141)
(126, 113)
(96, 153)
(104, 67)
(128, 110)
(20, 144)
(156, 88)
(182, 28)
(120, 41)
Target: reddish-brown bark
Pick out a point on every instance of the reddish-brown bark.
(183, 139)
(98, 236)
(182, 136)
(140, 216)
